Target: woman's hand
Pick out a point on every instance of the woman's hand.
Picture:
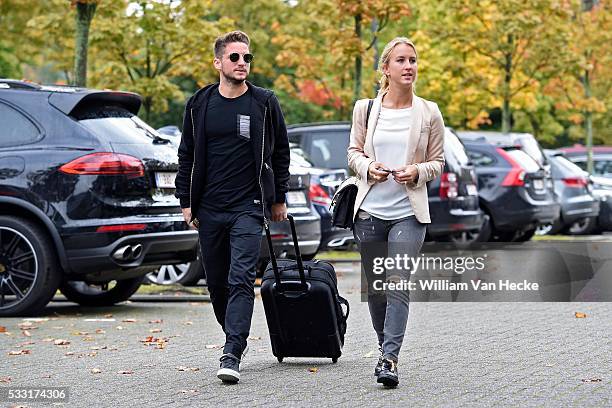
(378, 172)
(408, 174)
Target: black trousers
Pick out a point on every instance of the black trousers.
(230, 242)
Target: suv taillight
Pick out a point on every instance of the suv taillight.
(575, 182)
(105, 164)
(449, 186)
(516, 176)
(318, 195)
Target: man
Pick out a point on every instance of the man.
(233, 176)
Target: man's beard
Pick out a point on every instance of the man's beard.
(233, 80)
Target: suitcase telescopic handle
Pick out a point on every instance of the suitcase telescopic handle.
(296, 247)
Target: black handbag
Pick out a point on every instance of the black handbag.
(343, 202)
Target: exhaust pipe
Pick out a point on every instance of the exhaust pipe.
(136, 251)
(123, 254)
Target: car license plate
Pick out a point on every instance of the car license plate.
(296, 198)
(165, 179)
(538, 184)
(472, 190)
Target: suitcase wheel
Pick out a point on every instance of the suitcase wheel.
(335, 360)
(280, 359)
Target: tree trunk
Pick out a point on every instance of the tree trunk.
(588, 122)
(506, 113)
(84, 15)
(376, 56)
(358, 62)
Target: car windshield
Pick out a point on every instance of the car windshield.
(119, 125)
(531, 147)
(454, 152)
(298, 158)
(566, 167)
(602, 166)
(524, 160)
(328, 149)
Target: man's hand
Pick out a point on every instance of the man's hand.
(279, 212)
(187, 217)
(406, 174)
(378, 172)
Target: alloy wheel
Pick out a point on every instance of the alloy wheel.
(18, 267)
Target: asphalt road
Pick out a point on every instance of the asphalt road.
(166, 354)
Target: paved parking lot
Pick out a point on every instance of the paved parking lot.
(165, 354)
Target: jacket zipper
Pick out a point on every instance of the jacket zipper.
(263, 142)
(192, 165)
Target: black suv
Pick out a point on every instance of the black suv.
(86, 197)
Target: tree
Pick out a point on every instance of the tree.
(515, 43)
(144, 47)
(85, 10)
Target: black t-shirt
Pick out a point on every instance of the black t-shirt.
(231, 176)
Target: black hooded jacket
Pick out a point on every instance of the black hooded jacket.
(270, 147)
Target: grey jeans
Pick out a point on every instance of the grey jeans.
(388, 309)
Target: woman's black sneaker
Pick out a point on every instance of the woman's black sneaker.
(379, 365)
(388, 375)
(229, 372)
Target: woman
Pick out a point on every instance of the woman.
(394, 154)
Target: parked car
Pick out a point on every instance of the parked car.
(307, 221)
(453, 198)
(573, 190)
(602, 158)
(513, 191)
(86, 197)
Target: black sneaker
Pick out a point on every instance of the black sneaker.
(388, 375)
(379, 365)
(230, 368)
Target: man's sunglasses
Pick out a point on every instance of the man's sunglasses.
(234, 57)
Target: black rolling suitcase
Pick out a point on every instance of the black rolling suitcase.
(303, 307)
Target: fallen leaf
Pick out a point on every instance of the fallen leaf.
(26, 333)
(100, 331)
(129, 320)
(580, 315)
(2, 329)
(20, 352)
(108, 315)
(70, 353)
(188, 391)
(188, 323)
(212, 346)
(125, 372)
(254, 338)
(60, 342)
(5, 379)
(156, 321)
(96, 371)
(119, 327)
(92, 354)
(99, 320)
(194, 369)
(591, 380)
(313, 369)
(48, 339)
(181, 368)
(80, 333)
(155, 331)
(26, 343)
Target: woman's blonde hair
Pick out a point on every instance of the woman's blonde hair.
(384, 60)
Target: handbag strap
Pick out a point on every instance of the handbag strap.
(370, 103)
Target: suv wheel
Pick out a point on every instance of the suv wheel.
(29, 271)
(583, 226)
(100, 294)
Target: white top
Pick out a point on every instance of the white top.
(388, 200)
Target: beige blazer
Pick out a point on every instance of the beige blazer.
(425, 149)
